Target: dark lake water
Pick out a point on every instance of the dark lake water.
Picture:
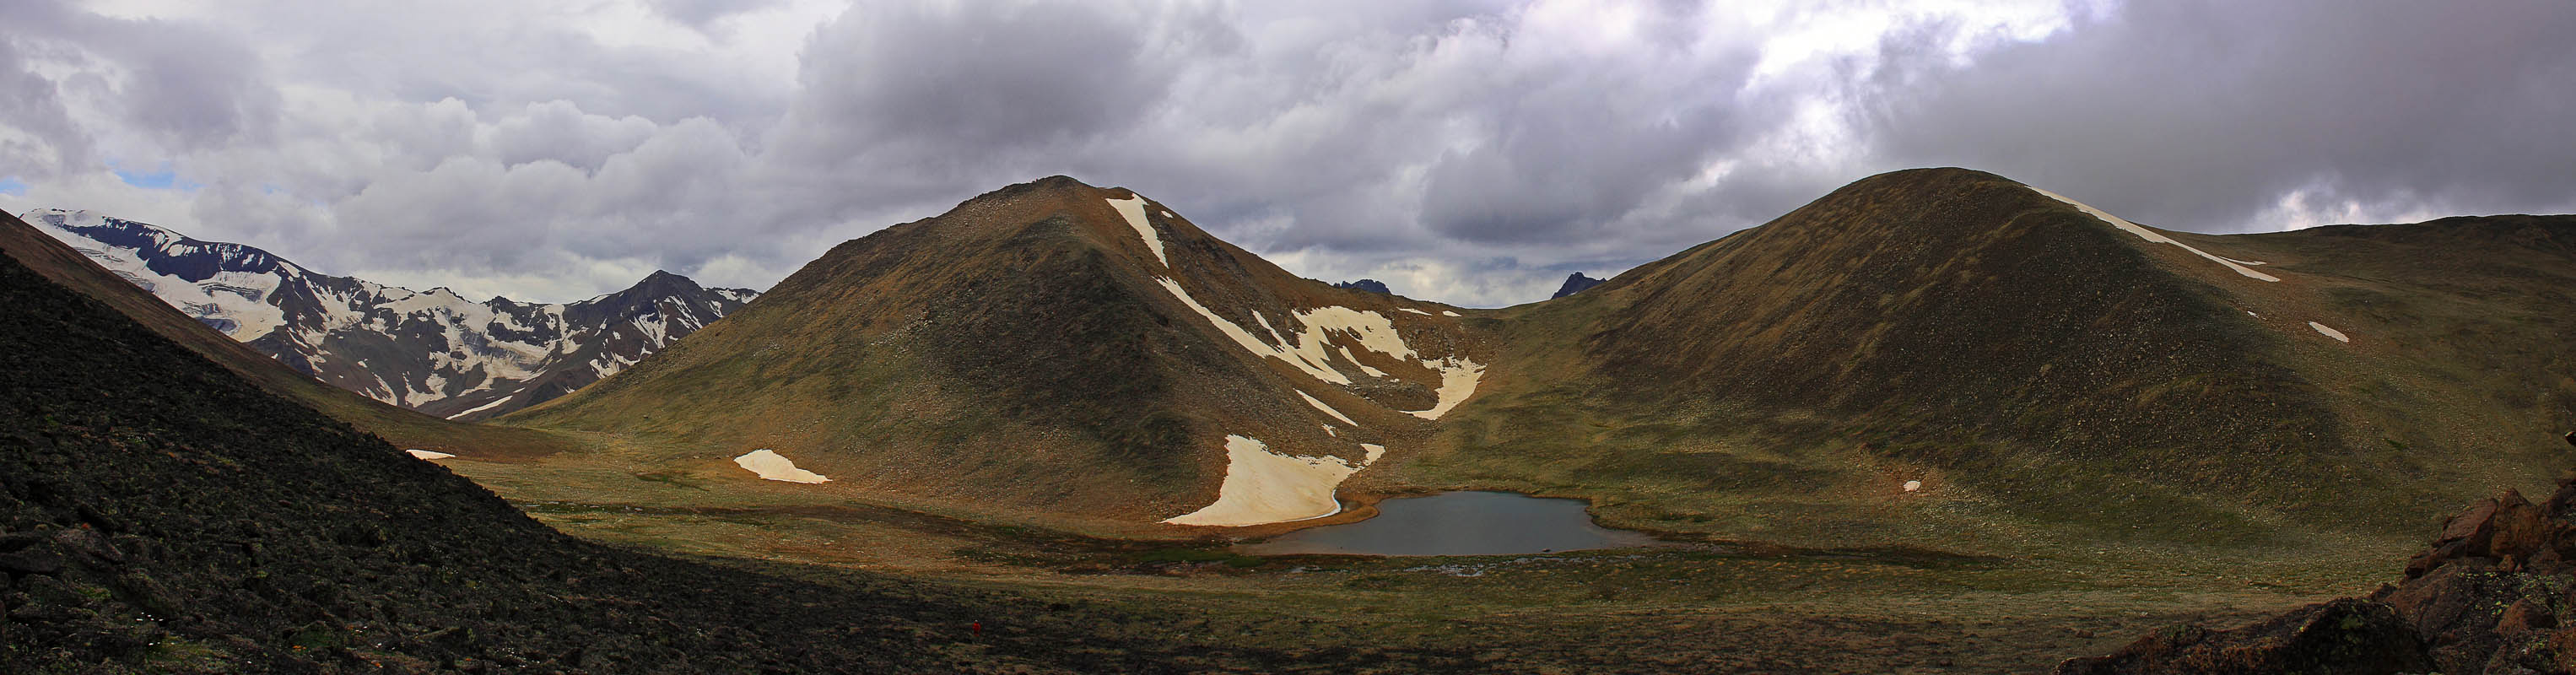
(1458, 523)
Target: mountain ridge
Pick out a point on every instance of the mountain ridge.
(2010, 351)
(162, 513)
(432, 351)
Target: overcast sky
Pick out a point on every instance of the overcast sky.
(1462, 151)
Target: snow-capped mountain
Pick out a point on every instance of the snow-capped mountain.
(433, 351)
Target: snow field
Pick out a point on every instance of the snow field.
(769, 465)
(1264, 487)
(1328, 410)
(1133, 209)
(2151, 235)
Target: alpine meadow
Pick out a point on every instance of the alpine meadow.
(1522, 336)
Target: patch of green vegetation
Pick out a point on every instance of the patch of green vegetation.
(174, 654)
(673, 478)
(1199, 555)
(316, 637)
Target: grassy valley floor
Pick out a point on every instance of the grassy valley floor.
(1697, 604)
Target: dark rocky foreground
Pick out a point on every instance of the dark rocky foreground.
(159, 514)
(2495, 593)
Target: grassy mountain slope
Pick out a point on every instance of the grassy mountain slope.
(1940, 358)
(160, 514)
(1030, 352)
(2034, 371)
(60, 264)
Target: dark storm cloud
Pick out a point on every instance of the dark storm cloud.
(951, 91)
(1576, 144)
(1470, 151)
(2203, 115)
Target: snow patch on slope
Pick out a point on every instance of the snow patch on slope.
(1364, 368)
(428, 454)
(2329, 332)
(480, 408)
(1248, 341)
(770, 465)
(1328, 410)
(1133, 209)
(2153, 236)
(234, 303)
(1458, 378)
(1265, 487)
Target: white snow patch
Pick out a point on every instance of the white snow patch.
(1458, 377)
(1374, 451)
(480, 408)
(428, 454)
(2329, 332)
(770, 466)
(1913, 485)
(1330, 431)
(2244, 262)
(1328, 410)
(1372, 372)
(1448, 313)
(1265, 487)
(2151, 235)
(238, 297)
(1416, 311)
(1375, 332)
(1309, 351)
(1249, 342)
(1133, 209)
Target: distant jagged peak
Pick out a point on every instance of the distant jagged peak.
(1575, 283)
(434, 351)
(1370, 285)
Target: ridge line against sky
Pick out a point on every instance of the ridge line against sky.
(1465, 152)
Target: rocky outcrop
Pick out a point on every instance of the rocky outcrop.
(2495, 593)
(1370, 285)
(1575, 283)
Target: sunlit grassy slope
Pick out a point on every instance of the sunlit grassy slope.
(2046, 377)
(2047, 381)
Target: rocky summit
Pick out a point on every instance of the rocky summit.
(1575, 283)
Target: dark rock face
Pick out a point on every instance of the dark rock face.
(1370, 285)
(2344, 636)
(2491, 595)
(434, 351)
(1575, 283)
